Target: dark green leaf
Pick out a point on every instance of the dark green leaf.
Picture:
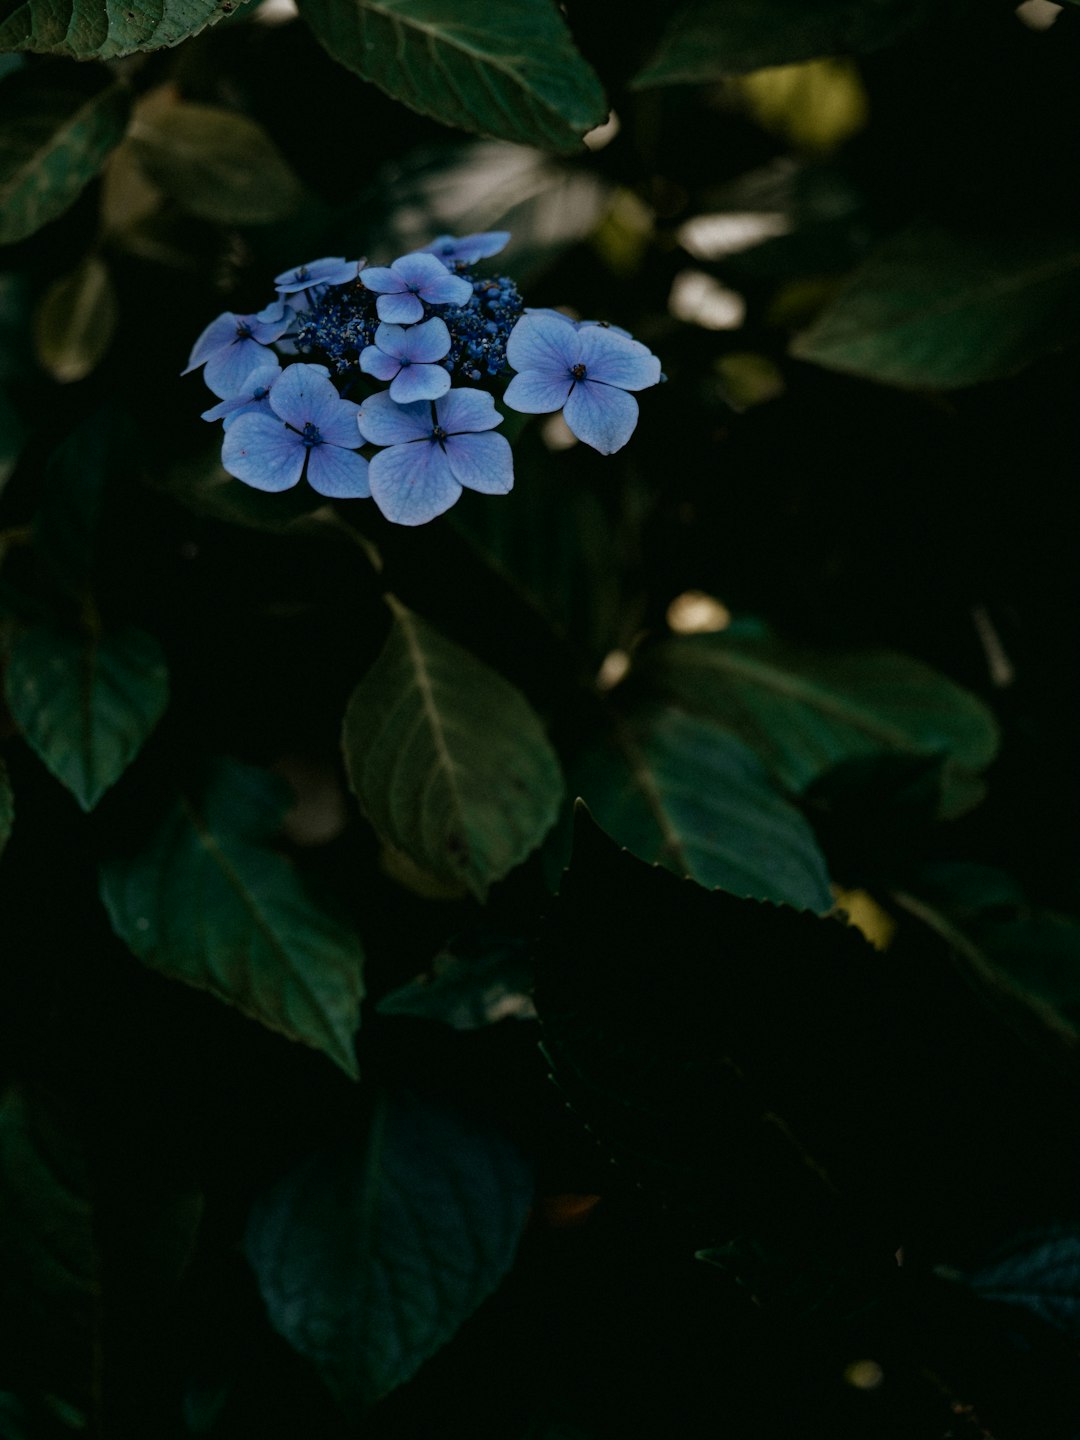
(209, 901)
(506, 68)
(476, 979)
(12, 435)
(940, 308)
(203, 486)
(1039, 1272)
(806, 711)
(86, 702)
(707, 39)
(449, 761)
(680, 792)
(89, 29)
(216, 163)
(75, 321)
(57, 127)
(370, 1262)
(7, 806)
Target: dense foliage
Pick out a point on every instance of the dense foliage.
(353, 1078)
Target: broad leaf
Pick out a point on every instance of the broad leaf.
(476, 979)
(371, 1261)
(7, 806)
(80, 470)
(75, 321)
(89, 29)
(707, 39)
(806, 711)
(57, 127)
(12, 436)
(680, 792)
(1039, 1272)
(939, 308)
(505, 68)
(86, 702)
(216, 163)
(448, 760)
(209, 901)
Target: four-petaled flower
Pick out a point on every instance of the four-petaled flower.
(403, 288)
(406, 357)
(232, 346)
(457, 254)
(431, 456)
(585, 371)
(330, 270)
(252, 399)
(308, 427)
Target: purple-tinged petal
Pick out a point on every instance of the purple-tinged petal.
(382, 280)
(379, 363)
(337, 426)
(267, 331)
(421, 343)
(613, 360)
(260, 451)
(469, 248)
(601, 416)
(390, 339)
(341, 474)
(447, 290)
(465, 410)
(255, 391)
(227, 370)
(419, 382)
(481, 462)
(537, 393)
(330, 270)
(411, 484)
(607, 325)
(551, 314)
(268, 371)
(305, 395)
(253, 407)
(539, 342)
(401, 309)
(384, 423)
(215, 337)
(418, 271)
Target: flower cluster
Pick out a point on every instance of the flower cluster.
(410, 341)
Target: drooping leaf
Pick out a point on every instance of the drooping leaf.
(216, 163)
(681, 792)
(75, 321)
(708, 39)
(7, 806)
(57, 127)
(86, 702)
(448, 760)
(476, 979)
(97, 29)
(806, 711)
(940, 307)
(370, 1261)
(1040, 1272)
(505, 68)
(209, 901)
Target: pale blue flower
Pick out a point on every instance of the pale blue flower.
(331, 270)
(254, 398)
(408, 357)
(457, 253)
(403, 288)
(232, 346)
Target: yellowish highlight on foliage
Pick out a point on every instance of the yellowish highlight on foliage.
(747, 378)
(695, 613)
(859, 908)
(864, 1374)
(624, 234)
(816, 106)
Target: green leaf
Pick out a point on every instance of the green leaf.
(7, 806)
(103, 29)
(806, 711)
(75, 321)
(57, 126)
(209, 901)
(505, 68)
(216, 163)
(1038, 1271)
(941, 307)
(370, 1262)
(476, 979)
(448, 760)
(12, 435)
(86, 702)
(708, 39)
(680, 792)
(201, 485)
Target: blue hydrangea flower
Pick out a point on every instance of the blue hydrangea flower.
(407, 358)
(232, 346)
(431, 456)
(459, 254)
(252, 399)
(583, 370)
(308, 427)
(403, 288)
(331, 270)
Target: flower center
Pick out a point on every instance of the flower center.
(438, 434)
(243, 330)
(310, 435)
(578, 372)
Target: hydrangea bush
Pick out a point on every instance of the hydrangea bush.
(418, 325)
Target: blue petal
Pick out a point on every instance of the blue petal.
(400, 309)
(382, 281)
(466, 410)
(330, 270)
(417, 271)
(550, 314)
(481, 462)
(305, 395)
(216, 336)
(614, 360)
(537, 393)
(379, 363)
(419, 382)
(469, 248)
(260, 379)
(411, 484)
(601, 416)
(341, 474)
(337, 424)
(228, 370)
(260, 451)
(447, 290)
(384, 423)
(423, 343)
(540, 342)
